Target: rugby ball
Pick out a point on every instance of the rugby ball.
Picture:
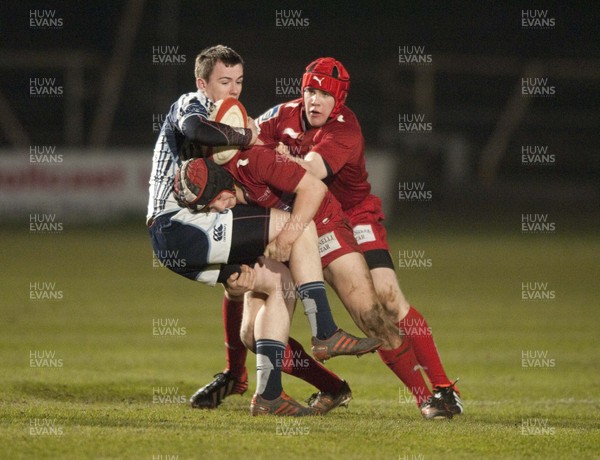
(231, 112)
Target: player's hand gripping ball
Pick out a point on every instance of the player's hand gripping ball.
(228, 111)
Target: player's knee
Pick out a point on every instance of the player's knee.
(391, 299)
(247, 337)
(234, 298)
(275, 277)
(391, 305)
(268, 281)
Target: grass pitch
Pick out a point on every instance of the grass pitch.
(85, 374)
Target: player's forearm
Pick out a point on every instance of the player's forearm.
(309, 195)
(314, 164)
(212, 133)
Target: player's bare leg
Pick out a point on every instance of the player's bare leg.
(269, 275)
(305, 264)
(272, 287)
(416, 332)
(389, 292)
(266, 330)
(306, 269)
(350, 277)
(333, 391)
(412, 325)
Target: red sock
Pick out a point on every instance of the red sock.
(403, 363)
(415, 328)
(235, 351)
(300, 364)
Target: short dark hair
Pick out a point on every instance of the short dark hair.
(208, 58)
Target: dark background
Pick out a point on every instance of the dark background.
(365, 36)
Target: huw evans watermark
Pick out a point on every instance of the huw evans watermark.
(537, 87)
(537, 359)
(158, 120)
(536, 291)
(45, 87)
(288, 87)
(44, 358)
(167, 327)
(536, 427)
(291, 19)
(291, 426)
(537, 223)
(45, 19)
(411, 54)
(167, 55)
(44, 223)
(44, 290)
(167, 395)
(414, 123)
(168, 258)
(414, 191)
(292, 359)
(413, 259)
(45, 427)
(44, 155)
(537, 155)
(409, 396)
(537, 19)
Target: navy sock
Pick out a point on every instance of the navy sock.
(316, 308)
(269, 357)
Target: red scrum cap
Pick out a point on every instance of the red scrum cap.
(331, 76)
(198, 182)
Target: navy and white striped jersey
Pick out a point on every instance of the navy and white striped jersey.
(170, 140)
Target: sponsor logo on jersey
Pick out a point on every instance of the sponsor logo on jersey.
(243, 162)
(269, 114)
(219, 232)
(328, 243)
(364, 234)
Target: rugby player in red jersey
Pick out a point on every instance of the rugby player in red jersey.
(320, 133)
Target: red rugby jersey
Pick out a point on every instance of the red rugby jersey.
(340, 142)
(269, 181)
